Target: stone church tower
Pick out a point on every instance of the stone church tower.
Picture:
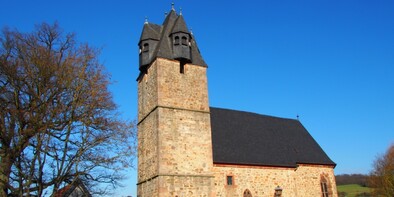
(188, 149)
(174, 131)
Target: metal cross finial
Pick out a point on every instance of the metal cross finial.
(172, 6)
(146, 20)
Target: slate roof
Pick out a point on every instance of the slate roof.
(150, 31)
(180, 25)
(252, 139)
(173, 23)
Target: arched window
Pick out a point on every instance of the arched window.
(176, 40)
(247, 193)
(184, 40)
(146, 47)
(325, 187)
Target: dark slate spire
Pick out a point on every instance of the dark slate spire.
(150, 31)
(181, 41)
(164, 48)
(180, 26)
(196, 55)
(160, 41)
(148, 43)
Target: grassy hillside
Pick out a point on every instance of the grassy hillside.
(353, 189)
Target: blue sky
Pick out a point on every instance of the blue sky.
(330, 62)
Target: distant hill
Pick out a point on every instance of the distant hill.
(346, 179)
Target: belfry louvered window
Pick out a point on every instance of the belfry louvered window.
(146, 47)
(184, 40)
(176, 40)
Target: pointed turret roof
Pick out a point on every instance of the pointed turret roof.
(196, 55)
(180, 25)
(164, 49)
(150, 31)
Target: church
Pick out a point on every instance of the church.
(188, 149)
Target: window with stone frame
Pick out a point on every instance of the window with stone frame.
(247, 193)
(230, 180)
(324, 187)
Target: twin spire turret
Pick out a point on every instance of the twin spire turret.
(171, 40)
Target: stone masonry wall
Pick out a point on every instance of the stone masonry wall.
(148, 147)
(185, 91)
(303, 181)
(174, 131)
(149, 188)
(185, 186)
(185, 145)
(147, 92)
(308, 178)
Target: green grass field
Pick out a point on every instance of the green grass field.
(353, 189)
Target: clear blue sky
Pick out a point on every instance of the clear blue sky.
(330, 62)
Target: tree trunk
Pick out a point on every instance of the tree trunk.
(5, 171)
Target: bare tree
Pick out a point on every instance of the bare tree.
(58, 121)
(382, 175)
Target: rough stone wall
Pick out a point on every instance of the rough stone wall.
(185, 91)
(174, 131)
(147, 92)
(165, 86)
(147, 134)
(308, 178)
(303, 181)
(185, 186)
(148, 147)
(185, 145)
(148, 188)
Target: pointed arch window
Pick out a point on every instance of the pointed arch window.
(184, 40)
(325, 187)
(247, 193)
(176, 40)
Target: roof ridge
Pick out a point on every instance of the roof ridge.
(161, 49)
(254, 113)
